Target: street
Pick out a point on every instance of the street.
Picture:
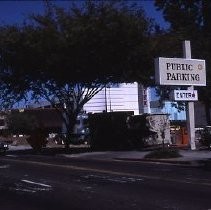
(55, 182)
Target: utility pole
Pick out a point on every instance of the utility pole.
(190, 105)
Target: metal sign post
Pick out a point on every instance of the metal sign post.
(183, 72)
(190, 106)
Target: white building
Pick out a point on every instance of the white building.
(127, 97)
(121, 97)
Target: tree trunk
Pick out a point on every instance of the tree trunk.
(67, 144)
(70, 130)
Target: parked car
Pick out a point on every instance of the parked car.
(3, 147)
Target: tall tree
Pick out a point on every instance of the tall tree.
(68, 56)
(190, 20)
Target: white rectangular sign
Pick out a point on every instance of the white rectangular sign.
(185, 95)
(180, 71)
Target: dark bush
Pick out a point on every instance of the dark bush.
(37, 139)
(108, 131)
(206, 137)
(118, 131)
(138, 129)
(163, 153)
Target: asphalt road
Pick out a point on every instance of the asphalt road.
(49, 182)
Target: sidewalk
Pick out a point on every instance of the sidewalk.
(191, 158)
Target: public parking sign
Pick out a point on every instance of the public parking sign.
(180, 71)
(185, 95)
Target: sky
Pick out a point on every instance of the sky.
(16, 11)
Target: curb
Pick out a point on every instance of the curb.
(164, 161)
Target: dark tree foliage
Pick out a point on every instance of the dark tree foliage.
(189, 20)
(68, 56)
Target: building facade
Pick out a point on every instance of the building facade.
(121, 97)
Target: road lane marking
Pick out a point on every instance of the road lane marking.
(28, 186)
(35, 183)
(25, 190)
(4, 166)
(198, 182)
(121, 179)
(11, 155)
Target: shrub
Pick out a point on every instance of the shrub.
(108, 131)
(37, 139)
(206, 137)
(163, 153)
